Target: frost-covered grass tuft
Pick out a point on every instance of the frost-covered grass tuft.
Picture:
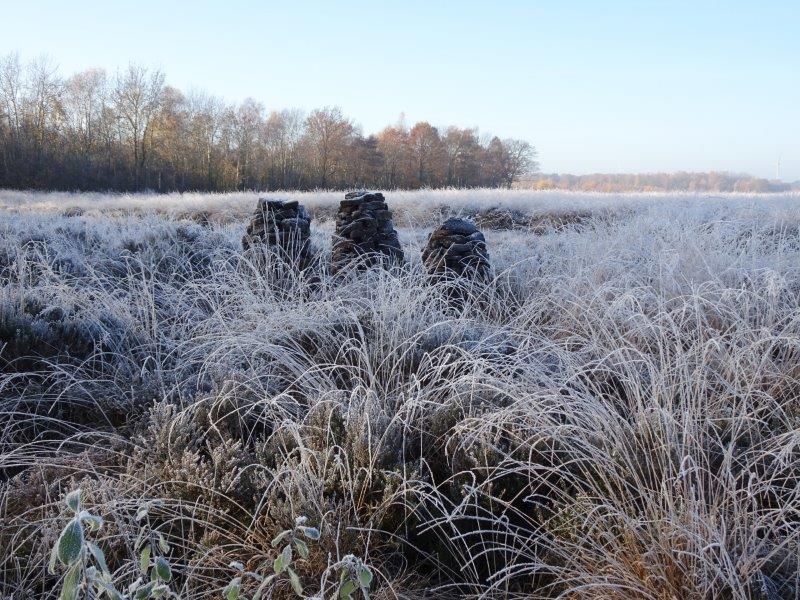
(617, 415)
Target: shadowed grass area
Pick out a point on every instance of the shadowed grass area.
(615, 415)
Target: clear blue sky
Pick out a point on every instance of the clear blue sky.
(597, 86)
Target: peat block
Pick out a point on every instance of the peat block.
(285, 227)
(457, 249)
(364, 233)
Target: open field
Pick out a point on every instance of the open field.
(615, 415)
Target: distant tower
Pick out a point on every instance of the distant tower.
(778, 168)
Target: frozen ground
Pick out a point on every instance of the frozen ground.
(616, 415)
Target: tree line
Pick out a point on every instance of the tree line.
(131, 131)
(681, 181)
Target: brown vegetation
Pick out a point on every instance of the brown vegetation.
(614, 414)
(133, 132)
(656, 182)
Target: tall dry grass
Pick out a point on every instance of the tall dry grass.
(615, 416)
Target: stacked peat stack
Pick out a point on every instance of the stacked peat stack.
(284, 227)
(456, 249)
(365, 234)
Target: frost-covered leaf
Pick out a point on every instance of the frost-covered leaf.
(99, 556)
(107, 586)
(287, 554)
(143, 592)
(279, 538)
(73, 500)
(144, 559)
(93, 521)
(311, 533)
(280, 564)
(51, 565)
(346, 591)
(364, 577)
(163, 569)
(70, 543)
(302, 548)
(295, 581)
(231, 591)
(70, 587)
(261, 588)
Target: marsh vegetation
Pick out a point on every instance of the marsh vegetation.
(615, 414)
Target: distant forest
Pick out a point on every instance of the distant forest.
(657, 182)
(131, 131)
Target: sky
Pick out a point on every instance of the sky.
(605, 87)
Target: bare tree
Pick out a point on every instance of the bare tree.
(247, 129)
(133, 131)
(393, 146)
(283, 140)
(521, 160)
(138, 96)
(427, 154)
(329, 133)
(11, 92)
(205, 121)
(462, 150)
(44, 98)
(85, 96)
